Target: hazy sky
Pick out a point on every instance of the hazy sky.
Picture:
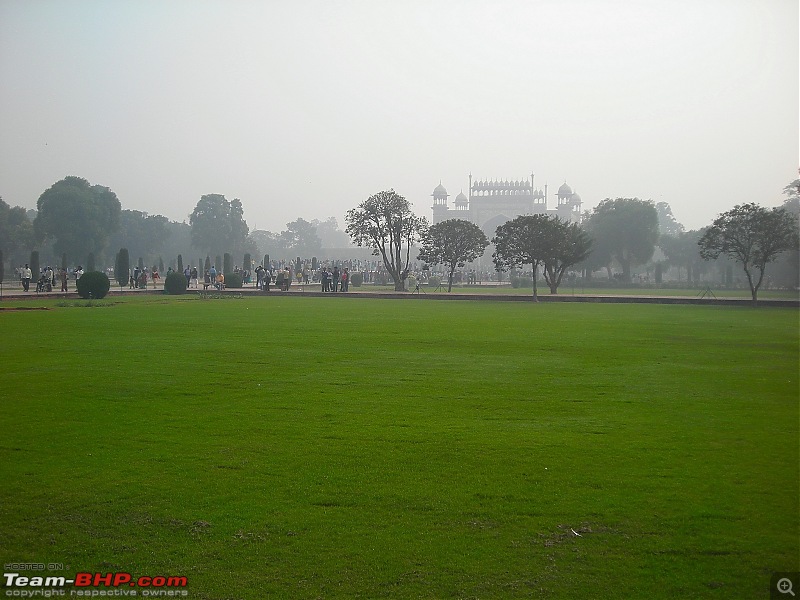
(304, 108)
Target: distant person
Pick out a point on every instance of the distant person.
(345, 280)
(62, 275)
(26, 277)
(193, 276)
(187, 272)
(335, 279)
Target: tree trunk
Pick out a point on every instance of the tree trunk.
(535, 273)
(450, 280)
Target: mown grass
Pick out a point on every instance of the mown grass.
(338, 448)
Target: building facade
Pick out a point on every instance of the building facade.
(491, 203)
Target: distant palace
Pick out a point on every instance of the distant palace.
(492, 203)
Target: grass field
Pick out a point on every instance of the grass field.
(291, 447)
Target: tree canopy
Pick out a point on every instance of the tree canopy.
(627, 229)
(16, 232)
(753, 236)
(78, 217)
(540, 240)
(300, 238)
(453, 243)
(218, 225)
(385, 223)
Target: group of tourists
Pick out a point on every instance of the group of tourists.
(46, 281)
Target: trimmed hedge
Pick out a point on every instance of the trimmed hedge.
(93, 284)
(233, 280)
(356, 279)
(175, 283)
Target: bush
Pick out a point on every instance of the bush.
(233, 280)
(93, 284)
(175, 283)
(356, 279)
(434, 281)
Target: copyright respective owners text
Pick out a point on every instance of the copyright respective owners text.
(52, 580)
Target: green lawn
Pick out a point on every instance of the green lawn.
(291, 447)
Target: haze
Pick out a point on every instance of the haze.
(305, 108)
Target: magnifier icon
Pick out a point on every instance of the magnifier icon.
(785, 586)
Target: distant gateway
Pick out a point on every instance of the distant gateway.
(492, 203)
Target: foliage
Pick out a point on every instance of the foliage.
(300, 239)
(2, 266)
(329, 234)
(122, 267)
(540, 240)
(356, 279)
(452, 243)
(625, 230)
(180, 263)
(93, 284)
(753, 236)
(385, 223)
(520, 282)
(142, 234)
(227, 263)
(247, 261)
(79, 217)
(218, 224)
(175, 283)
(682, 251)
(667, 224)
(90, 262)
(64, 261)
(233, 280)
(16, 231)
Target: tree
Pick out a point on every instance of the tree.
(329, 233)
(122, 267)
(2, 267)
(626, 228)
(300, 238)
(218, 225)
(385, 223)
(570, 246)
(79, 217)
(753, 236)
(682, 252)
(180, 263)
(452, 243)
(667, 224)
(227, 263)
(540, 240)
(16, 231)
(142, 234)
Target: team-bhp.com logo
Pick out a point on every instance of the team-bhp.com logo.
(120, 583)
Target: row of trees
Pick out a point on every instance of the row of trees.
(624, 231)
(76, 219)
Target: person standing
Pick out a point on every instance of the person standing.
(335, 279)
(345, 280)
(62, 275)
(26, 277)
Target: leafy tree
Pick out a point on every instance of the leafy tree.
(122, 267)
(453, 243)
(570, 245)
(207, 264)
(682, 252)
(753, 236)
(180, 263)
(626, 228)
(667, 224)
(142, 234)
(329, 233)
(79, 217)
(300, 238)
(540, 240)
(16, 231)
(227, 264)
(218, 224)
(385, 223)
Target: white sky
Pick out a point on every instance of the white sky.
(304, 108)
